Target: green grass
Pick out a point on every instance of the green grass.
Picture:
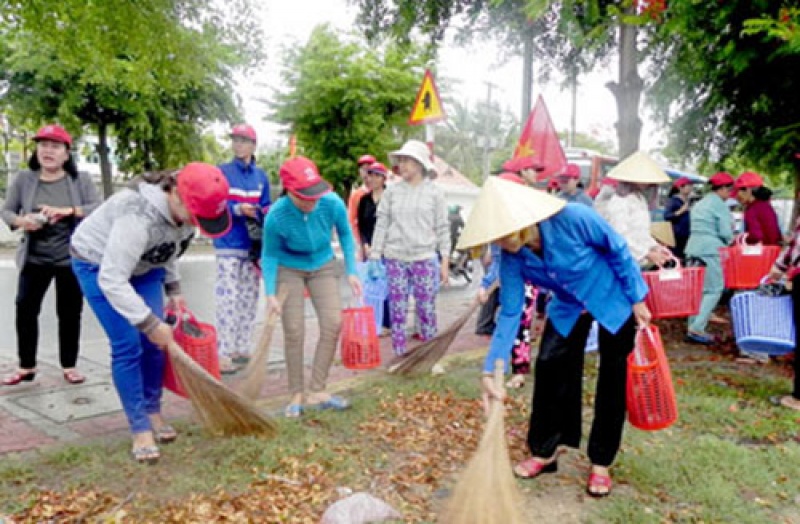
(731, 457)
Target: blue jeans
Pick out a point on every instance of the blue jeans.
(137, 366)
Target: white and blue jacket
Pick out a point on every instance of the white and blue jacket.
(249, 185)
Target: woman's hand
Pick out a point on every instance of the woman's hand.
(273, 305)
(29, 222)
(355, 285)
(775, 274)
(57, 213)
(659, 255)
(483, 295)
(445, 271)
(642, 314)
(176, 303)
(491, 393)
(161, 336)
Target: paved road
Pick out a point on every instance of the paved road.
(50, 411)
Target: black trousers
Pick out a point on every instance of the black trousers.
(486, 314)
(796, 364)
(34, 280)
(556, 412)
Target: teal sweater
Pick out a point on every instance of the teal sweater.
(302, 241)
(711, 227)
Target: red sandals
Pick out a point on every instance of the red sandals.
(73, 377)
(597, 480)
(533, 467)
(19, 376)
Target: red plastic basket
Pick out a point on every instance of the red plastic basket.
(674, 292)
(199, 341)
(743, 265)
(360, 345)
(650, 395)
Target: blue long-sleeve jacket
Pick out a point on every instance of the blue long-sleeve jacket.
(248, 185)
(586, 265)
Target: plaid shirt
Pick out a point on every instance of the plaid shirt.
(790, 256)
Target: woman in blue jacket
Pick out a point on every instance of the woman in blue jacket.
(571, 251)
(238, 251)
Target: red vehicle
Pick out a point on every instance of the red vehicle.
(594, 166)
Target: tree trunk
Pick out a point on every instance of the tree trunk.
(628, 92)
(527, 77)
(105, 163)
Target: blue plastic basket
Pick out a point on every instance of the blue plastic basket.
(763, 324)
(375, 292)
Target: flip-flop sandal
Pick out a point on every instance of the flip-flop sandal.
(146, 454)
(293, 411)
(532, 468)
(780, 400)
(335, 403)
(165, 434)
(73, 377)
(598, 481)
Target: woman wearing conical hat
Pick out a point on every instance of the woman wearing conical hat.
(570, 250)
(626, 206)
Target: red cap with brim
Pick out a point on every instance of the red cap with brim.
(301, 178)
(571, 171)
(749, 179)
(377, 168)
(366, 159)
(244, 131)
(204, 191)
(54, 133)
(682, 181)
(721, 179)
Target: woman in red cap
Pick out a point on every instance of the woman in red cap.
(676, 211)
(125, 257)
(297, 256)
(47, 203)
(711, 227)
(760, 218)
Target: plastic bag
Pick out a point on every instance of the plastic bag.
(359, 508)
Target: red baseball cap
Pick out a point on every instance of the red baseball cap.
(300, 176)
(515, 165)
(511, 177)
(571, 171)
(366, 159)
(749, 179)
(244, 131)
(721, 179)
(55, 133)
(377, 167)
(682, 181)
(204, 191)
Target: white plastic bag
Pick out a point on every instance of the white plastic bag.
(359, 508)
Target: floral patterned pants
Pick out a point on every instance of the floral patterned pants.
(521, 350)
(420, 279)
(236, 293)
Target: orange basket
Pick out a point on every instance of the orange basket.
(650, 395)
(360, 345)
(743, 265)
(674, 292)
(199, 341)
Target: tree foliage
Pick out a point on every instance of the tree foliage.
(725, 92)
(152, 72)
(344, 98)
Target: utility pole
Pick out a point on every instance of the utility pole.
(486, 138)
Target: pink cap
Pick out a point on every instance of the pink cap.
(721, 179)
(749, 179)
(300, 176)
(55, 133)
(571, 171)
(682, 181)
(366, 159)
(378, 168)
(244, 131)
(204, 191)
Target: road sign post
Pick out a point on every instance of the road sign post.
(427, 108)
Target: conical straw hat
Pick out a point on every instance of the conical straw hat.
(504, 207)
(639, 169)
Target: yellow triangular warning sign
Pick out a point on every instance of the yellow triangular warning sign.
(428, 107)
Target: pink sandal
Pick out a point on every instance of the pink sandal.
(597, 480)
(533, 467)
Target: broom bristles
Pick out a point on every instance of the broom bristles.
(255, 374)
(219, 408)
(423, 357)
(487, 493)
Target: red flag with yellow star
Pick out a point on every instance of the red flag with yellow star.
(540, 140)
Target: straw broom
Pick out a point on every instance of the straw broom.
(423, 357)
(219, 408)
(486, 492)
(255, 374)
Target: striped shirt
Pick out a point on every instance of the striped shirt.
(412, 223)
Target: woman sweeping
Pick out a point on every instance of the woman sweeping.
(570, 250)
(125, 257)
(297, 255)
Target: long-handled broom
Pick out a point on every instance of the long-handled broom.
(487, 493)
(422, 358)
(255, 374)
(219, 408)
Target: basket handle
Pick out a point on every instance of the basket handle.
(637, 342)
(674, 260)
(740, 239)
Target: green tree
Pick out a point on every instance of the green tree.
(155, 87)
(344, 98)
(729, 94)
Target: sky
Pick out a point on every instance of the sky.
(288, 23)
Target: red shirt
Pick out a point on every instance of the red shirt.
(761, 224)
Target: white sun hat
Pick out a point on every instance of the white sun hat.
(503, 208)
(417, 150)
(639, 169)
